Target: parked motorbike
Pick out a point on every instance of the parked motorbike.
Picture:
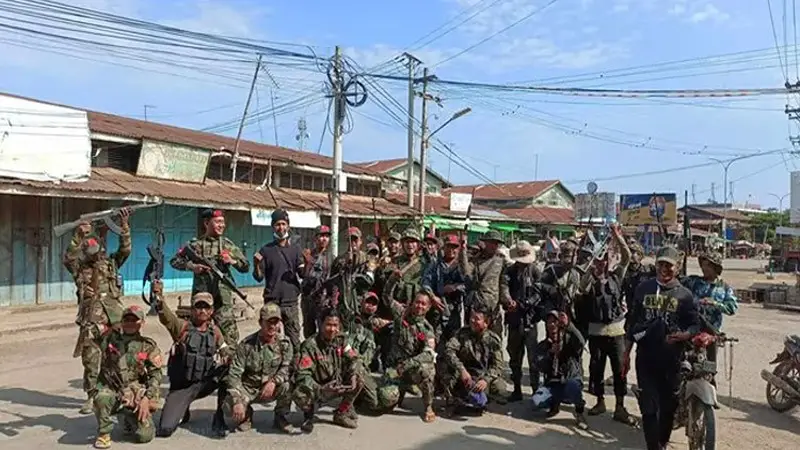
(697, 395)
(783, 383)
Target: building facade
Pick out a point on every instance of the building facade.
(396, 172)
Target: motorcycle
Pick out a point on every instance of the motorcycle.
(697, 399)
(783, 383)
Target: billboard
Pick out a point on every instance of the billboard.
(645, 209)
(794, 198)
(598, 207)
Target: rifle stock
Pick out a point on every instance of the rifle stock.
(106, 216)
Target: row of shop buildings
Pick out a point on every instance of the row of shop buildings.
(58, 162)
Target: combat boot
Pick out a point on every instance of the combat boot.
(346, 419)
(103, 441)
(88, 405)
(308, 421)
(599, 408)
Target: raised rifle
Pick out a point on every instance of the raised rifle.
(216, 273)
(155, 268)
(106, 216)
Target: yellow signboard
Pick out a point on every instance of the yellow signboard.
(648, 209)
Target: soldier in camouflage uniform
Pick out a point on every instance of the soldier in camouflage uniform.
(327, 367)
(129, 382)
(410, 267)
(473, 362)
(86, 260)
(316, 273)
(260, 373)
(488, 284)
(226, 254)
(362, 339)
(561, 282)
(445, 280)
(412, 354)
(355, 274)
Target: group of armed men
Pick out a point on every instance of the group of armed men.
(383, 320)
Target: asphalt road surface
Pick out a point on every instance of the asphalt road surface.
(40, 395)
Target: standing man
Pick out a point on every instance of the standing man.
(637, 272)
(198, 353)
(523, 323)
(260, 373)
(561, 281)
(220, 250)
(447, 282)
(409, 268)
(129, 382)
(316, 273)
(664, 317)
(279, 264)
(96, 276)
(393, 246)
(487, 279)
(606, 310)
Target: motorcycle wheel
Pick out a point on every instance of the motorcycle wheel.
(701, 427)
(776, 398)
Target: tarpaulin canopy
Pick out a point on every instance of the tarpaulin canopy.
(507, 227)
(443, 223)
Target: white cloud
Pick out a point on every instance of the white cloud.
(378, 54)
(697, 11)
(709, 12)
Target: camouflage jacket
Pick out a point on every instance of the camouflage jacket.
(404, 288)
(130, 361)
(412, 338)
(211, 248)
(354, 279)
(486, 277)
(323, 362)
(109, 288)
(256, 363)
(361, 337)
(481, 355)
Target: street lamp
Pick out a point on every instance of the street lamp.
(726, 164)
(424, 160)
(780, 206)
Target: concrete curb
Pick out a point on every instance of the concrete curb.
(37, 328)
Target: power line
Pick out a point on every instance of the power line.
(775, 37)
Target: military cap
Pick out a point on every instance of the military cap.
(269, 311)
(411, 233)
(713, 257)
(373, 247)
(492, 235)
(278, 215)
(668, 255)
(636, 248)
(211, 213)
(323, 229)
(430, 237)
(134, 310)
(394, 236)
(452, 239)
(354, 231)
(371, 297)
(202, 297)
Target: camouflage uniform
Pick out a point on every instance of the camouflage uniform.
(130, 370)
(312, 288)
(412, 357)
(356, 276)
(212, 248)
(481, 356)
(254, 364)
(361, 336)
(108, 310)
(487, 282)
(561, 284)
(411, 267)
(320, 363)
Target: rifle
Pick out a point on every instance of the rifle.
(155, 268)
(105, 216)
(468, 216)
(216, 273)
(87, 304)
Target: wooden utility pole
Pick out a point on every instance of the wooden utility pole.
(338, 120)
(235, 161)
(423, 157)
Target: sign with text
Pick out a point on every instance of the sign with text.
(297, 219)
(598, 207)
(645, 209)
(169, 161)
(459, 202)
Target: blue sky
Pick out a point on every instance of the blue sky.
(501, 137)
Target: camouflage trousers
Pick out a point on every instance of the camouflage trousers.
(107, 402)
(454, 388)
(248, 396)
(413, 373)
(367, 400)
(90, 359)
(307, 393)
(226, 321)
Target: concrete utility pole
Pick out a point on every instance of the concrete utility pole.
(338, 121)
(146, 107)
(423, 157)
(235, 161)
(412, 65)
(302, 132)
(726, 164)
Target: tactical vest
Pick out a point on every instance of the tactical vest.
(193, 355)
(607, 306)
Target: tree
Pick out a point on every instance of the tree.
(766, 223)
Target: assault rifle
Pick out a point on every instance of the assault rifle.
(155, 268)
(216, 273)
(106, 216)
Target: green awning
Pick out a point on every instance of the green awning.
(506, 227)
(443, 223)
(475, 228)
(562, 228)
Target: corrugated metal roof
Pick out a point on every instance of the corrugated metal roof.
(105, 180)
(542, 215)
(520, 189)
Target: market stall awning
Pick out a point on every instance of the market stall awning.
(505, 227)
(443, 223)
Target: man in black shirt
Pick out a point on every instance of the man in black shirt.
(316, 273)
(280, 264)
(663, 318)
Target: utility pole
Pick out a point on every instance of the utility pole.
(423, 157)
(536, 167)
(274, 116)
(412, 65)
(730, 190)
(713, 192)
(338, 120)
(302, 132)
(146, 107)
(235, 161)
(694, 197)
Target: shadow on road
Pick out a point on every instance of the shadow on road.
(77, 430)
(22, 396)
(762, 415)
